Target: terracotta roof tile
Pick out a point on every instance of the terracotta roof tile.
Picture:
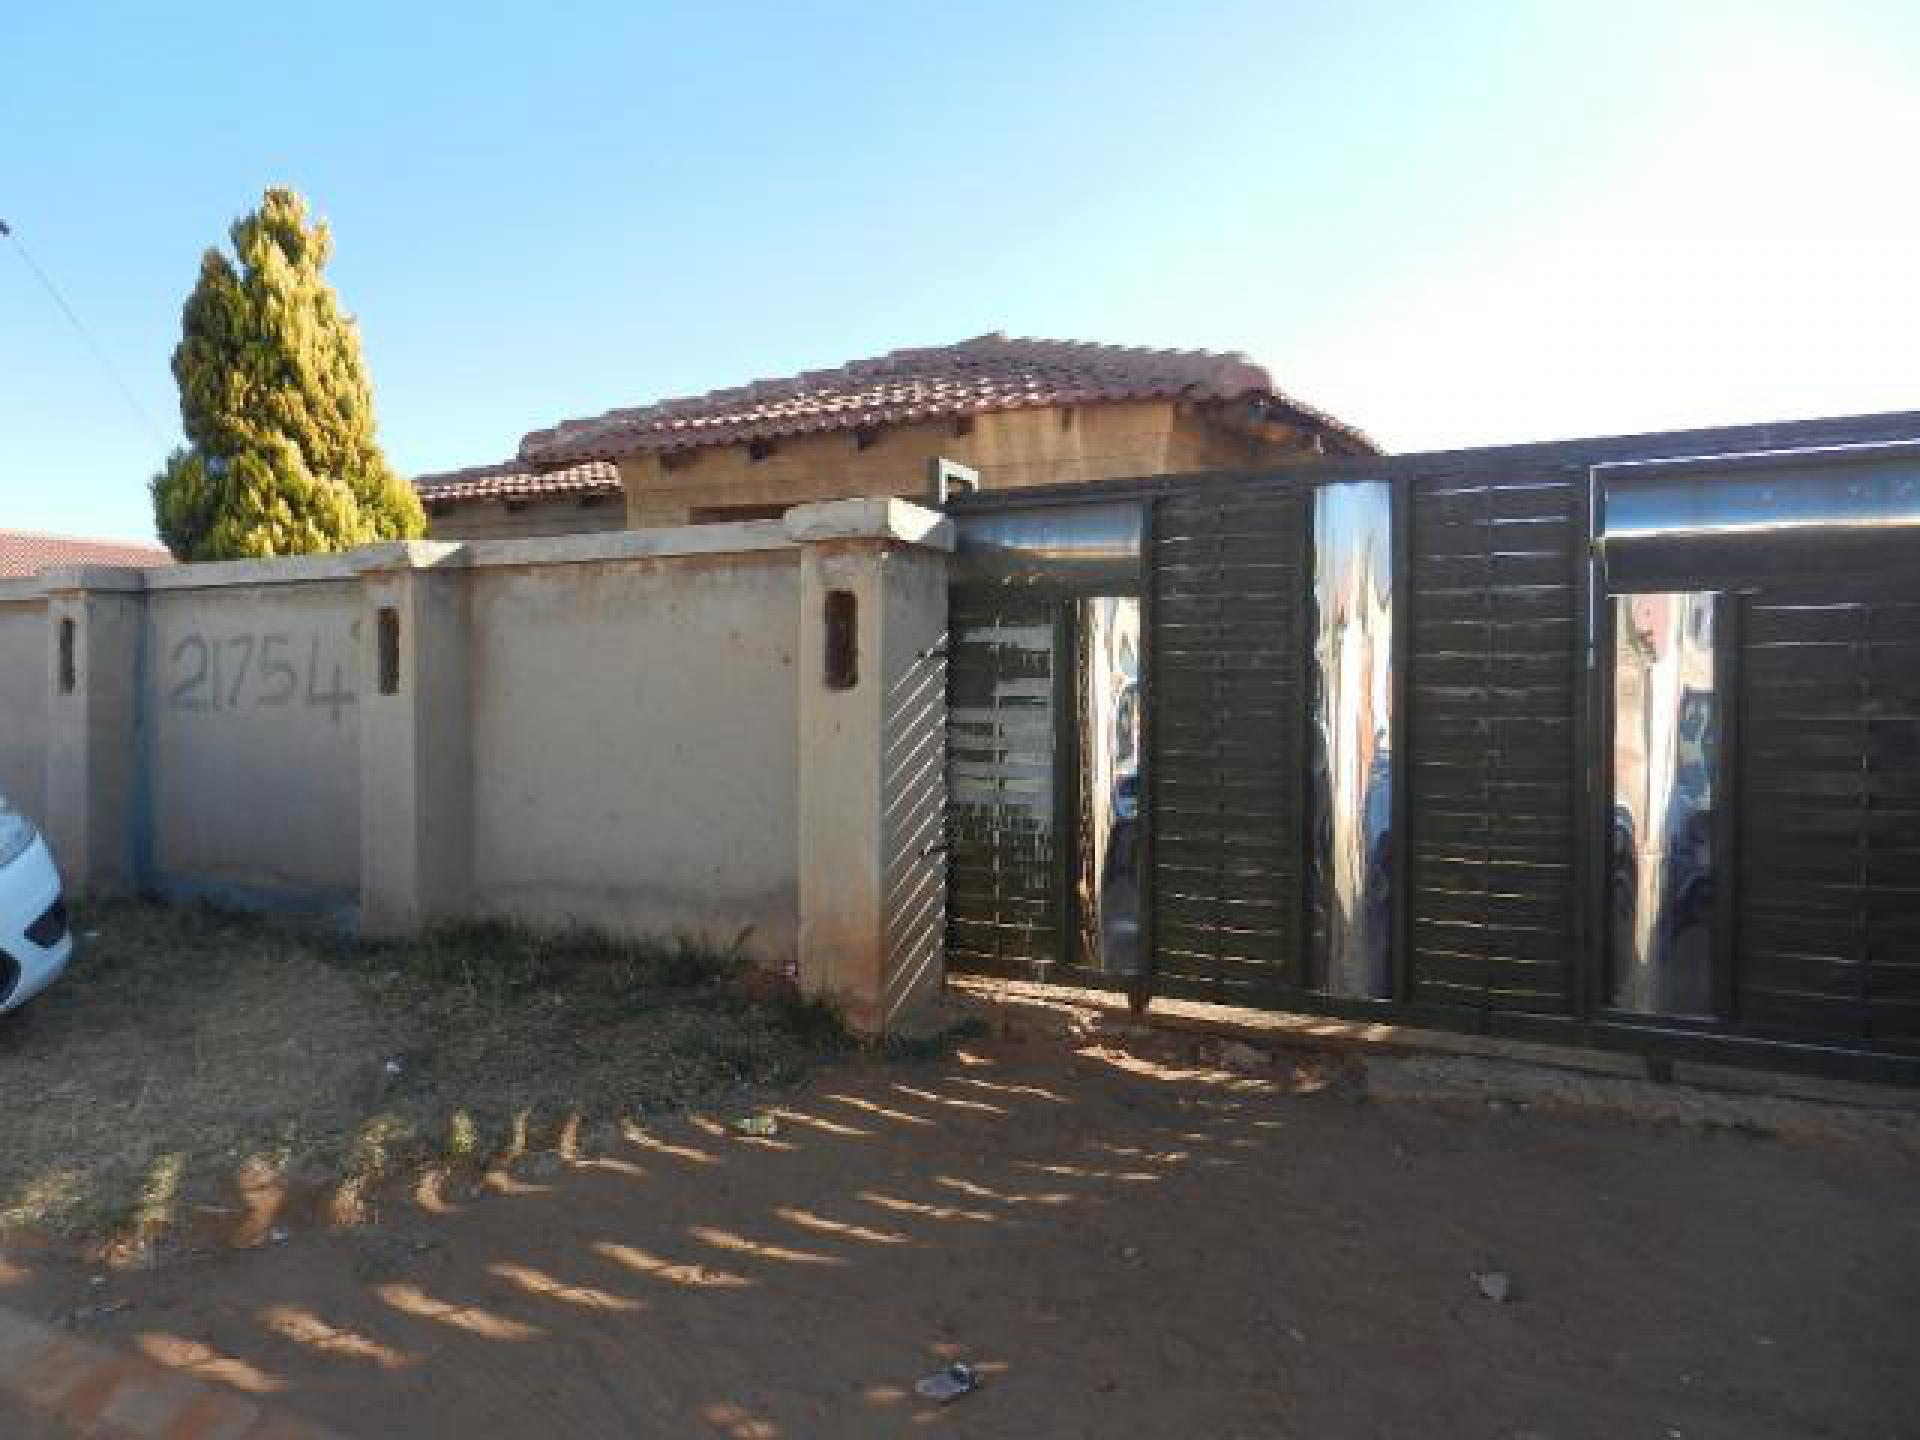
(25, 553)
(990, 373)
(512, 480)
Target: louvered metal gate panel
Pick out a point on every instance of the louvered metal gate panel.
(1827, 811)
(1005, 875)
(1492, 816)
(1226, 733)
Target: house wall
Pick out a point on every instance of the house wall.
(1011, 450)
(1199, 443)
(499, 520)
(24, 661)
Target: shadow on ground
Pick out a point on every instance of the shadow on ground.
(1123, 1240)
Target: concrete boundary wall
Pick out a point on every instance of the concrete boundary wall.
(24, 662)
(643, 731)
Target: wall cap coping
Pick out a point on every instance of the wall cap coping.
(879, 519)
(869, 519)
(63, 579)
(219, 574)
(737, 537)
(742, 537)
(406, 555)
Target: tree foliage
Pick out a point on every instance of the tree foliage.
(276, 405)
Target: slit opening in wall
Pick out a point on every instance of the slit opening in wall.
(66, 657)
(843, 623)
(387, 632)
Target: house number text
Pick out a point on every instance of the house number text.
(250, 671)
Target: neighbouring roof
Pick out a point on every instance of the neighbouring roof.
(24, 553)
(990, 373)
(512, 480)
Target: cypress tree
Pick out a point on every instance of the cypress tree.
(276, 405)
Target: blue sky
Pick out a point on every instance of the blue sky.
(1447, 223)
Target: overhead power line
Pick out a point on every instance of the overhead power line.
(99, 353)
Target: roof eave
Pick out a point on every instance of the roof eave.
(550, 450)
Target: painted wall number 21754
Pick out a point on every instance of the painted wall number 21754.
(244, 671)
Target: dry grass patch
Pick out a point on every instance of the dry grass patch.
(194, 1058)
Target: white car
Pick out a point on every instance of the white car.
(35, 941)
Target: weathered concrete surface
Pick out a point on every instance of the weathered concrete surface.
(24, 685)
(250, 750)
(1508, 1084)
(416, 759)
(93, 769)
(913, 787)
(870, 519)
(872, 782)
(634, 742)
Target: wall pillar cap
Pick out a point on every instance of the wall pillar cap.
(869, 519)
(407, 555)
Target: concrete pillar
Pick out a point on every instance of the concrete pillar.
(872, 759)
(416, 782)
(95, 625)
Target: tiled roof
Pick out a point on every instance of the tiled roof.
(977, 376)
(24, 553)
(511, 480)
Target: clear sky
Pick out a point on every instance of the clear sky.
(1447, 223)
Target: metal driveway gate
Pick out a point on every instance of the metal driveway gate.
(1597, 742)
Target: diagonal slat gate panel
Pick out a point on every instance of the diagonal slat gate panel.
(1004, 879)
(1225, 771)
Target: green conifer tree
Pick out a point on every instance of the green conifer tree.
(275, 403)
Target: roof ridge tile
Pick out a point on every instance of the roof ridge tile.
(514, 479)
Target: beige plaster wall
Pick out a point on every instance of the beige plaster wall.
(872, 802)
(634, 743)
(627, 732)
(24, 683)
(249, 745)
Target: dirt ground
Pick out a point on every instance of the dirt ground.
(21, 1421)
(1123, 1236)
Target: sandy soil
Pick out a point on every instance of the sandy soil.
(1124, 1239)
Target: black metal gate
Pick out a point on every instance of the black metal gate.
(1501, 886)
(1828, 817)
(1227, 742)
